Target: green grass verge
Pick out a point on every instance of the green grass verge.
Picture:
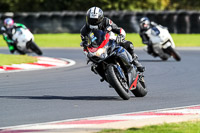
(73, 40)
(184, 127)
(180, 40)
(16, 59)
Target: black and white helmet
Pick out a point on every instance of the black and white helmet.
(94, 16)
(144, 23)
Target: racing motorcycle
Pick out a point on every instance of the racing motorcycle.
(162, 43)
(113, 63)
(25, 41)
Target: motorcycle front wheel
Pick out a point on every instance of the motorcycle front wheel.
(113, 78)
(33, 46)
(174, 54)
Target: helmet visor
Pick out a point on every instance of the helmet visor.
(93, 21)
(9, 26)
(145, 25)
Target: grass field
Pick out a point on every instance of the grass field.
(73, 40)
(183, 127)
(15, 59)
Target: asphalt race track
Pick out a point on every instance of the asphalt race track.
(75, 92)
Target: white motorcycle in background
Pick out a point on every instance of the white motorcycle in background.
(25, 41)
(162, 43)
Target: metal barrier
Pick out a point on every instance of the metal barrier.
(72, 22)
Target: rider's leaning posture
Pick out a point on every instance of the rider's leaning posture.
(96, 20)
(146, 24)
(7, 32)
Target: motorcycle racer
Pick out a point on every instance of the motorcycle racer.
(146, 24)
(7, 32)
(158, 40)
(96, 20)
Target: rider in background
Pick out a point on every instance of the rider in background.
(96, 20)
(7, 32)
(145, 25)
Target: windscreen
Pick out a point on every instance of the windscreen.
(96, 37)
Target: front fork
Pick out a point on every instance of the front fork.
(120, 71)
(100, 70)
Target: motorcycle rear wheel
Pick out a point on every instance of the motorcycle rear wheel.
(140, 90)
(116, 84)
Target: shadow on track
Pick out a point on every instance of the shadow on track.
(46, 97)
(156, 61)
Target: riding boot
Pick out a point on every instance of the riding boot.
(151, 51)
(129, 47)
(135, 62)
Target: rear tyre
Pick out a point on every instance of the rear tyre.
(35, 48)
(140, 90)
(113, 79)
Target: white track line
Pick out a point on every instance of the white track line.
(71, 123)
(42, 63)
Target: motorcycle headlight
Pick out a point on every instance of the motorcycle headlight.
(101, 53)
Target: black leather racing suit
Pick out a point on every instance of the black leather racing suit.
(85, 30)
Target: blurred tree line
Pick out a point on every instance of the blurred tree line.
(84, 5)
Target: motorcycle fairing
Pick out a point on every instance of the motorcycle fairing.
(120, 50)
(155, 31)
(126, 59)
(166, 44)
(22, 36)
(134, 84)
(92, 49)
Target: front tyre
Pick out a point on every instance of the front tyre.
(33, 46)
(164, 58)
(174, 54)
(113, 78)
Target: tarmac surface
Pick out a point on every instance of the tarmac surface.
(75, 92)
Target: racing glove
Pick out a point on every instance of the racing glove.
(120, 38)
(84, 44)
